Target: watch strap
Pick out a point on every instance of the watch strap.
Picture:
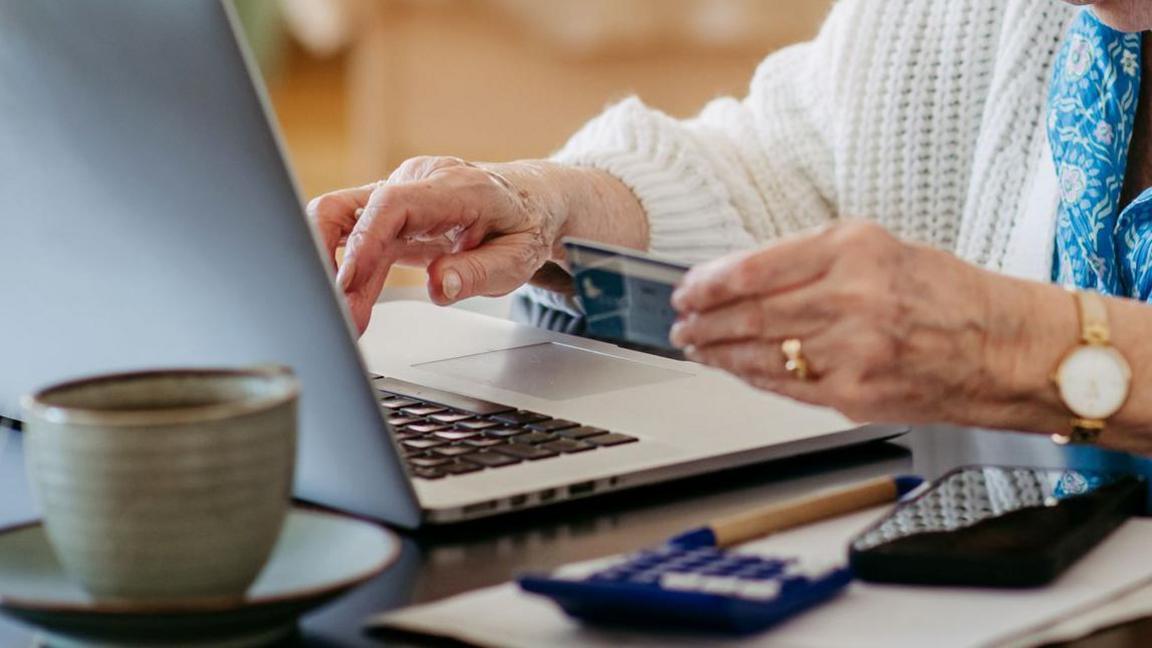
(1083, 432)
(1094, 328)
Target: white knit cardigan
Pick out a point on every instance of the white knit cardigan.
(926, 116)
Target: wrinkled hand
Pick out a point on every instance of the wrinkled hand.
(469, 225)
(891, 331)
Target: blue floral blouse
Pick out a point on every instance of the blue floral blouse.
(1091, 114)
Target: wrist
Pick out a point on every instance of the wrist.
(542, 194)
(599, 207)
(548, 191)
(1034, 327)
(581, 202)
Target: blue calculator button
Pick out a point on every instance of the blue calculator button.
(763, 571)
(759, 590)
(681, 581)
(720, 585)
(705, 553)
(721, 569)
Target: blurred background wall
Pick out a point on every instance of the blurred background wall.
(361, 85)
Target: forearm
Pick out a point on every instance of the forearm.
(1032, 326)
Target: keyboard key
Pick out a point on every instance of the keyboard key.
(427, 462)
(521, 417)
(454, 435)
(422, 410)
(582, 432)
(504, 433)
(535, 438)
(425, 428)
(611, 439)
(490, 459)
(521, 451)
(477, 425)
(451, 417)
(428, 473)
(401, 421)
(453, 451)
(483, 443)
(552, 425)
(458, 402)
(423, 444)
(460, 468)
(567, 446)
(397, 402)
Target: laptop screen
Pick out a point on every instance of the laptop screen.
(149, 221)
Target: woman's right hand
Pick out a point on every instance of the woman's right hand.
(478, 229)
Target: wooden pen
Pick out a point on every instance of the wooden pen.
(820, 505)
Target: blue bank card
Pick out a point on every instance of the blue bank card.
(626, 295)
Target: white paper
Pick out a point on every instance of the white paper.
(865, 615)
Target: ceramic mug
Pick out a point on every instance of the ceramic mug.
(164, 485)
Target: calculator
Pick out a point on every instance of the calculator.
(705, 588)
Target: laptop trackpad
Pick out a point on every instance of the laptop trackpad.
(552, 371)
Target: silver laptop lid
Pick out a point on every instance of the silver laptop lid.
(147, 219)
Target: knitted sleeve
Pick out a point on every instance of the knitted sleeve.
(740, 173)
(926, 117)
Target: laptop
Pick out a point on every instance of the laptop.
(149, 220)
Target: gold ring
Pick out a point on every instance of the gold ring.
(795, 363)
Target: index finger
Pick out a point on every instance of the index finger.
(334, 215)
(786, 264)
(392, 214)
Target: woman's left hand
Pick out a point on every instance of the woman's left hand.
(891, 331)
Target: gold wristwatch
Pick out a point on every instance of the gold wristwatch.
(1093, 378)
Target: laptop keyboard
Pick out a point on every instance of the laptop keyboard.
(445, 434)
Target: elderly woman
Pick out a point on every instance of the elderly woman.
(883, 221)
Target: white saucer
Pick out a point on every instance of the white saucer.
(318, 557)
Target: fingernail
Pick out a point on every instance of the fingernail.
(678, 299)
(450, 284)
(345, 274)
(676, 334)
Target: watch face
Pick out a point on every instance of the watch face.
(1094, 381)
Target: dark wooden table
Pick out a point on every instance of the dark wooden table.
(437, 563)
